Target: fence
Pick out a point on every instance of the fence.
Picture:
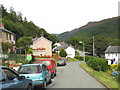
(6, 59)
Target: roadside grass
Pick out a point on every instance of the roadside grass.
(72, 60)
(105, 77)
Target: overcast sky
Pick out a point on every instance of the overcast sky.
(58, 16)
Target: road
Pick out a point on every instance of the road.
(73, 76)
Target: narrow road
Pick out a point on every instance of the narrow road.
(73, 76)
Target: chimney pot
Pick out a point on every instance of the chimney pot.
(2, 25)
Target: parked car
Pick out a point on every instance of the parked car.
(51, 65)
(61, 63)
(11, 80)
(38, 73)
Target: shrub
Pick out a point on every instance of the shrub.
(94, 64)
(79, 57)
(114, 66)
(88, 57)
(63, 53)
(98, 64)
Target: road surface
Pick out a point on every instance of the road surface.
(73, 76)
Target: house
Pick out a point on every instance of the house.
(68, 48)
(6, 36)
(70, 51)
(112, 54)
(42, 47)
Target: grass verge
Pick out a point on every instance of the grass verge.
(104, 77)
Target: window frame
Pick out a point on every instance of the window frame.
(7, 77)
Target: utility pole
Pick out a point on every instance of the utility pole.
(83, 49)
(93, 46)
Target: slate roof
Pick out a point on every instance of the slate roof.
(61, 47)
(113, 49)
(6, 30)
(38, 38)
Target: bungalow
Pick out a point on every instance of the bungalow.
(112, 54)
(42, 46)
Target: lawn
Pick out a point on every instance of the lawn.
(105, 77)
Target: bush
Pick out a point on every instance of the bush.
(79, 57)
(114, 66)
(98, 64)
(94, 64)
(63, 53)
(88, 57)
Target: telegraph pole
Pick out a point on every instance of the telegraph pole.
(93, 46)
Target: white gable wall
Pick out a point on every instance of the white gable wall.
(111, 56)
(70, 52)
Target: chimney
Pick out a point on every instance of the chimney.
(2, 25)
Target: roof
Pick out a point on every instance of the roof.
(113, 49)
(6, 30)
(38, 38)
(61, 47)
(30, 64)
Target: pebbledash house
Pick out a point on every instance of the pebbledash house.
(42, 47)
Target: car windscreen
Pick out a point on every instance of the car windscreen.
(32, 69)
(47, 63)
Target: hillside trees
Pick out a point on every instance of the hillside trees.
(24, 42)
(15, 22)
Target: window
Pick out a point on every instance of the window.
(45, 68)
(10, 36)
(29, 69)
(2, 78)
(7, 36)
(47, 63)
(10, 74)
(0, 33)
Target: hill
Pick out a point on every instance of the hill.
(107, 28)
(15, 22)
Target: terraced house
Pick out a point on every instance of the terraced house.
(7, 37)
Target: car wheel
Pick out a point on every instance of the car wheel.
(45, 84)
(52, 75)
(55, 74)
(50, 81)
(30, 87)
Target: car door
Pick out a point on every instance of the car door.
(46, 72)
(12, 79)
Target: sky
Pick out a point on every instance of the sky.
(58, 16)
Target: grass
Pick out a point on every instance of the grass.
(105, 77)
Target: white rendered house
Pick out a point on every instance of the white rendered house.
(70, 52)
(112, 54)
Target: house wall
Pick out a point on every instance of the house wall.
(70, 52)
(111, 56)
(42, 43)
(7, 37)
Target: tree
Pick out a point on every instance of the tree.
(73, 40)
(63, 53)
(100, 45)
(24, 42)
(6, 46)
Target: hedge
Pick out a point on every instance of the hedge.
(97, 64)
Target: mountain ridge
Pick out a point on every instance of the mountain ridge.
(105, 26)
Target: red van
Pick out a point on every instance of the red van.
(51, 65)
